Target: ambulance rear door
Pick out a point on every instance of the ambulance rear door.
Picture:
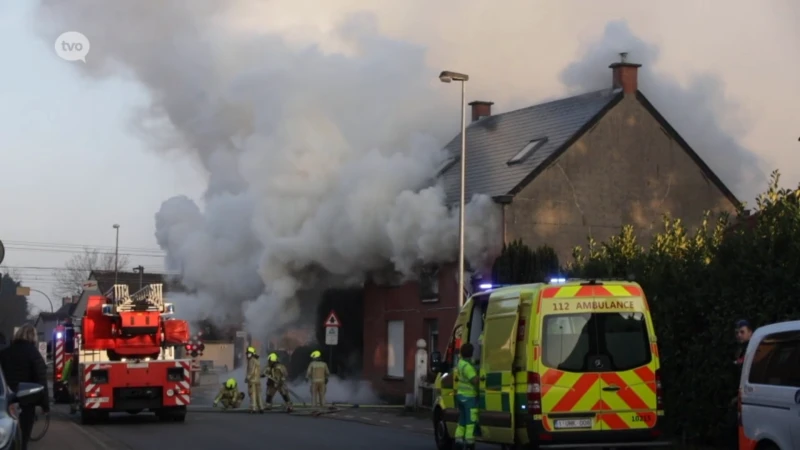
(497, 383)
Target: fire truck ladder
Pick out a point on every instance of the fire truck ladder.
(148, 298)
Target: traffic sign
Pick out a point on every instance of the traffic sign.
(43, 350)
(2, 252)
(332, 320)
(331, 335)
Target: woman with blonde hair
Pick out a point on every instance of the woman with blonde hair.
(22, 363)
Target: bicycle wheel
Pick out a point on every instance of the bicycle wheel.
(41, 422)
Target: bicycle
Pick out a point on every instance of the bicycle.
(41, 420)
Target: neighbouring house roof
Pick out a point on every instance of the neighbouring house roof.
(105, 280)
(494, 140)
(60, 314)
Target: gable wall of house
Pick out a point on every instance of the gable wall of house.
(625, 170)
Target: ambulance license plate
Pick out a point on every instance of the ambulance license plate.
(573, 423)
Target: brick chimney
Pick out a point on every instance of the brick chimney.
(481, 109)
(625, 75)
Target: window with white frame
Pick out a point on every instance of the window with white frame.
(395, 344)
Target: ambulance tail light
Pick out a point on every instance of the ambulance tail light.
(659, 392)
(534, 393)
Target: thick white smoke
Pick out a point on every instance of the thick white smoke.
(322, 163)
(318, 163)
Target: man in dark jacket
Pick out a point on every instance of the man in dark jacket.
(22, 363)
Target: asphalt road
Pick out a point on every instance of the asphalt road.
(203, 431)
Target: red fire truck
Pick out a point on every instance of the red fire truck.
(124, 349)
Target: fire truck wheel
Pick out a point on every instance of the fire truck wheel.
(89, 417)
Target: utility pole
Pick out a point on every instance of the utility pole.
(140, 269)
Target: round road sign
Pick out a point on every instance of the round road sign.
(2, 252)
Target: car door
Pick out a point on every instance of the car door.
(769, 406)
(497, 384)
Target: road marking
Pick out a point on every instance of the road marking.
(385, 421)
(365, 418)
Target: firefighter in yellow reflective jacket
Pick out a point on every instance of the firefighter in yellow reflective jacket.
(253, 380)
(277, 374)
(71, 383)
(466, 399)
(317, 374)
(229, 396)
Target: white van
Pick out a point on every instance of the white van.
(769, 389)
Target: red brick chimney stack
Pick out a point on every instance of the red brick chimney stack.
(625, 75)
(481, 109)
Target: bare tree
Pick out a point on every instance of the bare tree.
(76, 270)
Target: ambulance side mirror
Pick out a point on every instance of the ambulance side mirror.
(436, 362)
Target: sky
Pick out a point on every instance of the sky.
(72, 166)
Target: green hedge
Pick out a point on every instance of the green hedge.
(698, 283)
(518, 264)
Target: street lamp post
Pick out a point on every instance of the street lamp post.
(446, 77)
(26, 291)
(116, 255)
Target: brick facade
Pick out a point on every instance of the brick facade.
(626, 170)
(384, 304)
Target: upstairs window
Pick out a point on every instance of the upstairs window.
(429, 284)
(529, 149)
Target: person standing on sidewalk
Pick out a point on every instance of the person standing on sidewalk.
(317, 374)
(22, 363)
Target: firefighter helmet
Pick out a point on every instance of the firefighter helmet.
(273, 357)
(231, 383)
(316, 354)
(251, 350)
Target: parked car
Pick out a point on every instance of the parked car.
(10, 435)
(769, 389)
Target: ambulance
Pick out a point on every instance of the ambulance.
(565, 364)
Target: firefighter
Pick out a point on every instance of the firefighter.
(229, 396)
(71, 382)
(253, 380)
(277, 374)
(466, 399)
(317, 374)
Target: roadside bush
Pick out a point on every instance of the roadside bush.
(698, 284)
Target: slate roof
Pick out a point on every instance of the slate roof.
(492, 141)
(60, 314)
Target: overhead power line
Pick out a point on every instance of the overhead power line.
(77, 252)
(65, 269)
(79, 246)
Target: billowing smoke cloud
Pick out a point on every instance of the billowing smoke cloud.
(320, 165)
(710, 122)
